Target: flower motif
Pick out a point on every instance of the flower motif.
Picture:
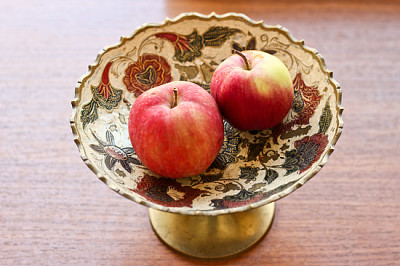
(149, 71)
(113, 153)
(166, 191)
(104, 96)
(229, 149)
(104, 87)
(187, 47)
(308, 150)
(270, 175)
(306, 101)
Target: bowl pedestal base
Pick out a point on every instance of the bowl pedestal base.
(212, 237)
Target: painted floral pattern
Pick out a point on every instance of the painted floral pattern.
(229, 149)
(242, 198)
(149, 71)
(189, 47)
(166, 191)
(113, 154)
(104, 95)
(308, 150)
(306, 101)
(251, 166)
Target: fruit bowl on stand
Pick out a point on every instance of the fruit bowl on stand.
(230, 207)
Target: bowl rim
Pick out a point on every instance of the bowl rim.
(231, 15)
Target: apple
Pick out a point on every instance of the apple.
(176, 129)
(253, 89)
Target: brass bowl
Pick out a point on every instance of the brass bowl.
(253, 169)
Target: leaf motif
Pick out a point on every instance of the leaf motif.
(325, 119)
(229, 187)
(270, 175)
(269, 155)
(89, 113)
(248, 173)
(190, 71)
(292, 161)
(243, 195)
(191, 48)
(129, 151)
(110, 162)
(98, 148)
(296, 132)
(122, 119)
(120, 173)
(216, 36)
(102, 143)
(254, 150)
(256, 187)
(110, 138)
(237, 46)
(210, 178)
(251, 45)
(126, 166)
(111, 101)
(207, 72)
(134, 161)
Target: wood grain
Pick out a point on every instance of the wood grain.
(54, 211)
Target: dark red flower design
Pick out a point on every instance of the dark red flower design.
(308, 150)
(149, 71)
(180, 42)
(166, 191)
(311, 149)
(104, 87)
(306, 100)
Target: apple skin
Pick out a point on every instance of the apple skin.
(178, 141)
(254, 99)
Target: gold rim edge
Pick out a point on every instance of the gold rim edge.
(301, 181)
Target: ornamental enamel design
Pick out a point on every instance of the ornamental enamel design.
(189, 47)
(230, 148)
(149, 71)
(252, 167)
(166, 191)
(113, 154)
(104, 96)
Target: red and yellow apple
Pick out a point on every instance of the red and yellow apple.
(253, 89)
(176, 129)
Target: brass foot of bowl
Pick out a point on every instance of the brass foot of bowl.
(212, 237)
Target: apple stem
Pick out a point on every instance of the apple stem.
(246, 61)
(175, 103)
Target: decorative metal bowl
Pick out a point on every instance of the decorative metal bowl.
(252, 168)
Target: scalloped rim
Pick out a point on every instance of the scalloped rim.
(300, 182)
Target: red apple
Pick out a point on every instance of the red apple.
(176, 129)
(253, 89)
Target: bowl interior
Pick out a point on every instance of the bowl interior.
(252, 168)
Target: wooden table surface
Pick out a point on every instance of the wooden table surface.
(53, 209)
